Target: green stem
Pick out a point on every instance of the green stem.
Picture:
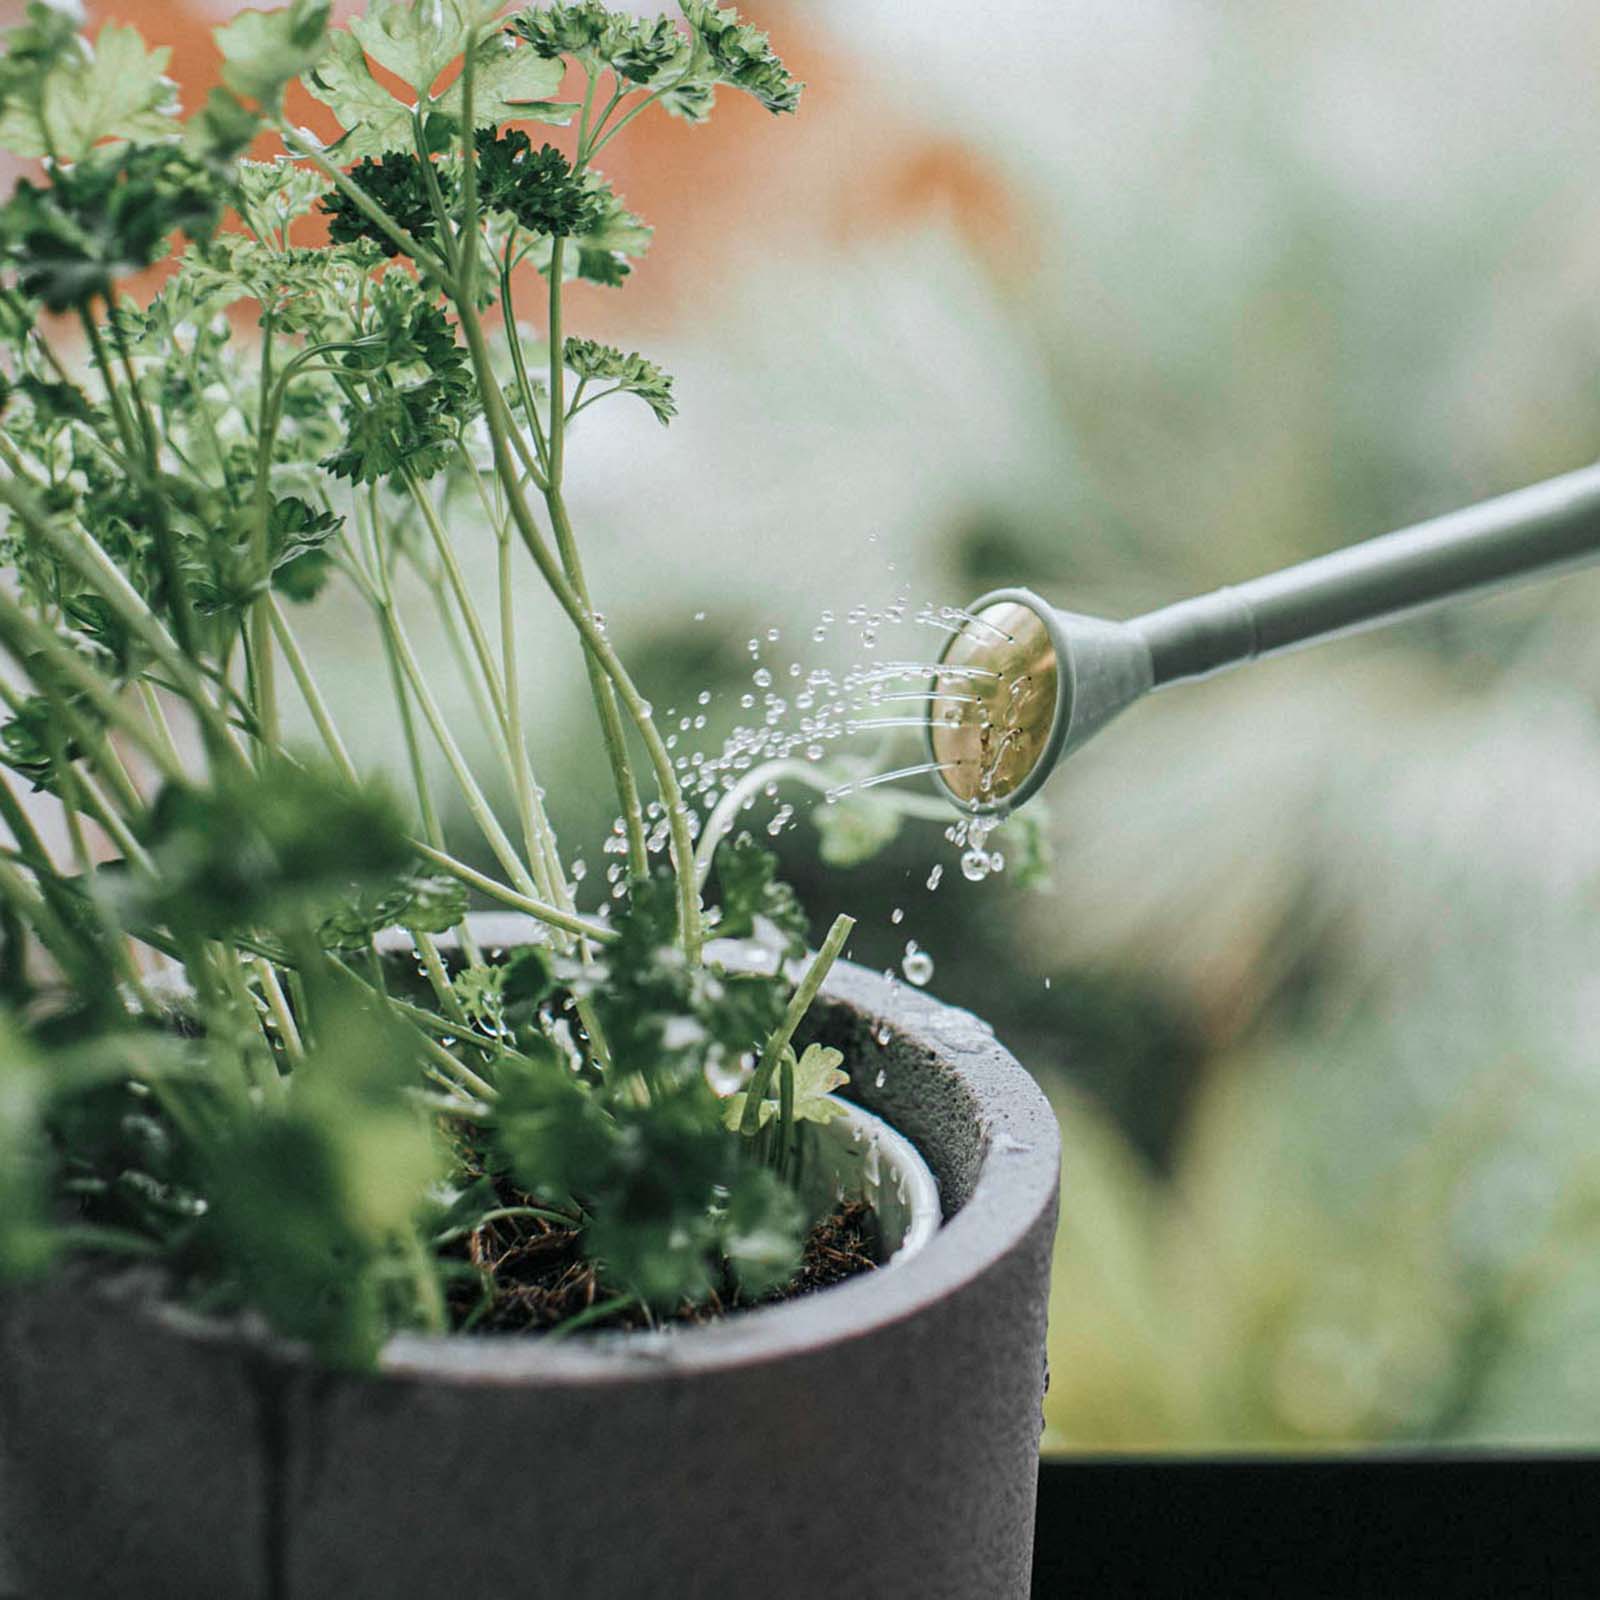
(600, 1311)
(601, 688)
(799, 1003)
(519, 362)
(490, 675)
(627, 117)
(571, 923)
(162, 729)
(478, 806)
(267, 976)
(661, 761)
(309, 692)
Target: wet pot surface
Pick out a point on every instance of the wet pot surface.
(877, 1439)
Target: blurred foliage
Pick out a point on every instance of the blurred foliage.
(1320, 948)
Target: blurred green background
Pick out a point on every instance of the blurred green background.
(1124, 301)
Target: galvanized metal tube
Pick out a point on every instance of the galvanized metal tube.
(1531, 533)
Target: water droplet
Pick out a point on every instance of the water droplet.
(936, 875)
(883, 1033)
(580, 870)
(878, 1082)
(897, 915)
(1047, 983)
(699, 616)
(772, 635)
(704, 697)
(762, 678)
(917, 964)
(975, 866)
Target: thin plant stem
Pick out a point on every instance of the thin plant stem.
(267, 976)
(794, 1014)
(583, 927)
(309, 691)
(605, 695)
(660, 760)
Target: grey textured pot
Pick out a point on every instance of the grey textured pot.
(876, 1440)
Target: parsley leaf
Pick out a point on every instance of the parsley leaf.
(264, 51)
(816, 1075)
(510, 83)
(265, 849)
(279, 190)
(373, 120)
(600, 252)
(584, 29)
(220, 132)
(60, 95)
(631, 373)
(729, 51)
(755, 901)
(536, 187)
(33, 738)
(417, 39)
(419, 395)
(418, 900)
(396, 183)
(106, 216)
(761, 1231)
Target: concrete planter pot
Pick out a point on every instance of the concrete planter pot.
(878, 1439)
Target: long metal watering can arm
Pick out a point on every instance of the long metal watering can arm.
(1530, 533)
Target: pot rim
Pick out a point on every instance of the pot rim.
(1015, 1181)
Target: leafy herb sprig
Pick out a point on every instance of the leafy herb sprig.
(281, 1115)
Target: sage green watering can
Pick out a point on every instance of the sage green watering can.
(1023, 684)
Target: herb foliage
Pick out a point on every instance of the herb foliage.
(284, 1120)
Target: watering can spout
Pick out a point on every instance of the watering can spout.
(1023, 684)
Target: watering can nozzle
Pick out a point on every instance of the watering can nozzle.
(1022, 684)
(1018, 687)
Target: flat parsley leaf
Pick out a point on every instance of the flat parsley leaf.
(263, 51)
(60, 95)
(816, 1075)
(417, 39)
(510, 83)
(373, 120)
